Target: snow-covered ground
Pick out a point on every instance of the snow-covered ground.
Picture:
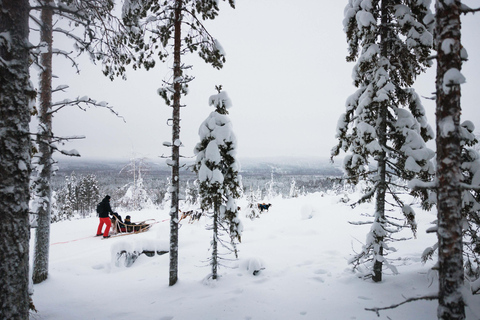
(303, 244)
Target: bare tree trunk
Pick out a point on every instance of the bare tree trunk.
(42, 184)
(15, 94)
(216, 213)
(382, 158)
(450, 255)
(177, 73)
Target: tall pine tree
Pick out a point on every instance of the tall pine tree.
(449, 194)
(154, 28)
(42, 182)
(384, 129)
(16, 94)
(101, 34)
(217, 170)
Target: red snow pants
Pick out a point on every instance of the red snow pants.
(107, 222)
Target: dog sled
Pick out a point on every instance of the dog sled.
(124, 228)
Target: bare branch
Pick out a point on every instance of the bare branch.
(393, 306)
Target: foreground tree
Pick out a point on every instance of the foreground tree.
(43, 191)
(100, 39)
(450, 248)
(15, 96)
(153, 29)
(385, 121)
(217, 170)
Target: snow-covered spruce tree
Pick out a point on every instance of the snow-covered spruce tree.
(64, 210)
(136, 197)
(167, 197)
(77, 196)
(384, 129)
(89, 194)
(252, 206)
(217, 170)
(270, 191)
(154, 28)
(293, 193)
(15, 96)
(191, 194)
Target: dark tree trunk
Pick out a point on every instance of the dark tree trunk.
(15, 93)
(216, 213)
(42, 184)
(450, 256)
(382, 157)
(177, 73)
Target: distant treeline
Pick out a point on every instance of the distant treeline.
(73, 178)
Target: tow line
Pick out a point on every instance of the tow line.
(63, 242)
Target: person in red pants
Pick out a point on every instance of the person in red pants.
(103, 214)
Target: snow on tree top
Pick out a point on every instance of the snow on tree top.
(220, 99)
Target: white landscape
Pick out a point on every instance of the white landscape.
(302, 243)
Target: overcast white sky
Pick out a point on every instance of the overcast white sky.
(286, 75)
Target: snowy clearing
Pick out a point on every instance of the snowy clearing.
(303, 244)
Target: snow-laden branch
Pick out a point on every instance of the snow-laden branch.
(416, 184)
(68, 57)
(367, 196)
(466, 9)
(60, 88)
(475, 286)
(359, 223)
(79, 102)
(54, 139)
(61, 139)
(70, 153)
(466, 186)
(69, 34)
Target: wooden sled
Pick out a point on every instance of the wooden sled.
(119, 228)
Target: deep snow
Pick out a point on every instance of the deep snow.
(303, 243)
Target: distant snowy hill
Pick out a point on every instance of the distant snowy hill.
(281, 165)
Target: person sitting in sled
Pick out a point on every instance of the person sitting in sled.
(119, 225)
(130, 225)
(103, 213)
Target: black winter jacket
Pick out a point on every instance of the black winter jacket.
(106, 209)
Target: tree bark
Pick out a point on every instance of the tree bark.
(450, 255)
(42, 184)
(382, 157)
(216, 213)
(15, 94)
(177, 73)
